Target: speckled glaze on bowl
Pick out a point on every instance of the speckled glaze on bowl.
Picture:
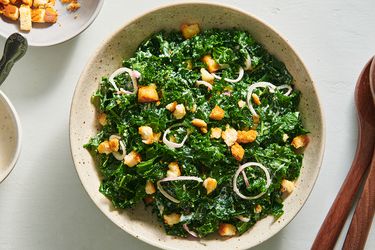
(83, 124)
(10, 137)
(69, 24)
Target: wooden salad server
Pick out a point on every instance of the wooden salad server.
(336, 217)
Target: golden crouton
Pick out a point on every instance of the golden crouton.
(199, 123)
(148, 136)
(287, 186)
(102, 119)
(4, 2)
(148, 94)
(229, 136)
(215, 133)
(37, 15)
(10, 11)
(256, 99)
(172, 106)
(132, 159)
(237, 151)
(50, 15)
(150, 188)
(174, 170)
(104, 148)
(179, 112)
(227, 230)
(246, 136)
(189, 30)
(171, 219)
(206, 76)
(300, 141)
(73, 6)
(114, 144)
(25, 17)
(258, 209)
(212, 65)
(210, 184)
(217, 113)
(39, 3)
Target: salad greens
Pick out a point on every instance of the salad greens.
(133, 159)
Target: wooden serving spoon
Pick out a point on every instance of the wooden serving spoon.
(365, 209)
(336, 217)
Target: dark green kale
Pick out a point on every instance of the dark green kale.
(173, 64)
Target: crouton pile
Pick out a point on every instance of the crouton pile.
(33, 11)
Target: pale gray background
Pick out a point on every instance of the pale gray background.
(44, 206)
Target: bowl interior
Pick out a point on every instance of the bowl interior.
(9, 137)
(138, 221)
(69, 24)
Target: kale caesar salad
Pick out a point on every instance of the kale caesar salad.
(201, 126)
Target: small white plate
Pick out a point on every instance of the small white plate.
(10, 137)
(69, 24)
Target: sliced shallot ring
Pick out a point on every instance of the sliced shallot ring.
(248, 65)
(290, 89)
(239, 78)
(194, 234)
(251, 89)
(243, 218)
(120, 71)
(243, 167)
(174, 144)
(245, 178)
(207, 84)
(178, 178)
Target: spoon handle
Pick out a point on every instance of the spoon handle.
(363, 215)
(339, 211)
(15, 47)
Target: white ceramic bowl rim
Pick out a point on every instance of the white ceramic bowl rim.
(165, 6)
(17, 152)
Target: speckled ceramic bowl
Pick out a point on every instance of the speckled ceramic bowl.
(10, 137)
(83, 124)
(69, 24)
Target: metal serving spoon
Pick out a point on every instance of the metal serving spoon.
(15, 47)
(336, 217)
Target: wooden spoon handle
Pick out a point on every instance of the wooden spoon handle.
(363, 215)
(336, 217)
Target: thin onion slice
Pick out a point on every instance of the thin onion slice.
(194, 234)
(272, 89)
(132, 75)
(251, 89)
(174, 144)
(207, 84)
(248, 65)
(243, 218)
(245, 178)
(240, 169)
(178, 178)
(117, 155)
(290, 89)
(239, 78)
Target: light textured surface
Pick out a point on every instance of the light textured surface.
(42, 203)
